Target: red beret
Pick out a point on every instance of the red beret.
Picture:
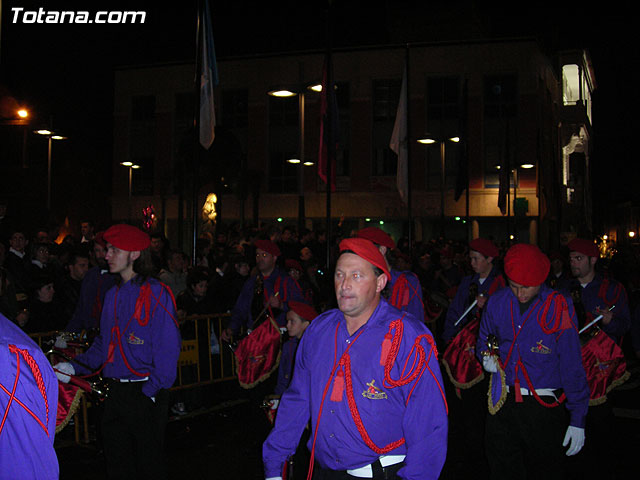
(366, 249)
(377, 236)
(291, 264)
(586, 247)
(305, 311)
(484, 246)
(526, 265)
(127, 237)
(268, 246)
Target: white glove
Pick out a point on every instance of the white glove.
(60, 342)
(63, 368)
(490, 364)
(574, 435)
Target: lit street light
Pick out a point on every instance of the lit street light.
(300, 92)
(50, 136)
(430, 140)
(131, 167)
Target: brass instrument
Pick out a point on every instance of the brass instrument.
(99, 387)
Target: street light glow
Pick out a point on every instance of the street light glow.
(23, 113)
(293, 160)
(282, 93)
(44, 131)
(126, 164)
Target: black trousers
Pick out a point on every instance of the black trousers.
(133, 429)
(524, 440)
(379, 472)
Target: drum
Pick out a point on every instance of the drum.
(604, 364)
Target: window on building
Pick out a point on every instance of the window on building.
(500, 99)
(570, 84)
(142, 147)
(386, 94)
(443, 122)
(235, 108)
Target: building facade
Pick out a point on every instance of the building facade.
(512, 108)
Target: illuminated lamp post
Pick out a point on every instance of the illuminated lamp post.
(430, 140)
(288, 93)
(51, 136)
(131, 167)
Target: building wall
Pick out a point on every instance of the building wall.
(367, 195)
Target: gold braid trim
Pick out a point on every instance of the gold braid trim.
(503, 394)
(72, 410)
(599, 401)
(463, 386)
(266, 375)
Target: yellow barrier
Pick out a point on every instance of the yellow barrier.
(198, 365)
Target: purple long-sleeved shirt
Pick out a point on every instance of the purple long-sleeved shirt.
(26, 443)
(150, 349)
(415, 411)
(461, 301)
(551, 360)
(595, 295)
(95, 285)
(285, 369)
(278, 281)
(415, 305)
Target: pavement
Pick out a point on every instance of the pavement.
(223, 439)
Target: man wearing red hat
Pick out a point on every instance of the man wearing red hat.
(594, 294)
(538, 357)
(464, 371)
(137, 350)
(406, 291)
(367, 376)
(271, 288)
(95, 284)
(478, 287)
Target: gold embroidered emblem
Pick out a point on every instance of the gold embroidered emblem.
(373, 392)
(540, 348)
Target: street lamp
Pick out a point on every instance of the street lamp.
(430, 140)
(288, 93)
(131, 167)
(51, 135)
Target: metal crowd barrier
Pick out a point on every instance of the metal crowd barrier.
(203, 360)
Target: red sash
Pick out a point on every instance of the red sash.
(459, 358)
(605, 366)
(258, 354)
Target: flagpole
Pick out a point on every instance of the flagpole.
(196, 129)
(331, 141)
(409, 213)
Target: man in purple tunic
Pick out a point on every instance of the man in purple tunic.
(28, 405)
(95, 284)
(137, 350)
(538, 357)
(406, 291)
(367, 376)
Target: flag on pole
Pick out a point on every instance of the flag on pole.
(208, 79)
(399, 143)
(328, 126)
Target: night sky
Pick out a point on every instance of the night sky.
(66, 72)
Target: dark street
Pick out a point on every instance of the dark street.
(219, 441)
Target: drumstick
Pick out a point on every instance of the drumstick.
(465, 312)
(263, 310)
(595, 320)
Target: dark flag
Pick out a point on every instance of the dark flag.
(328, 126)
